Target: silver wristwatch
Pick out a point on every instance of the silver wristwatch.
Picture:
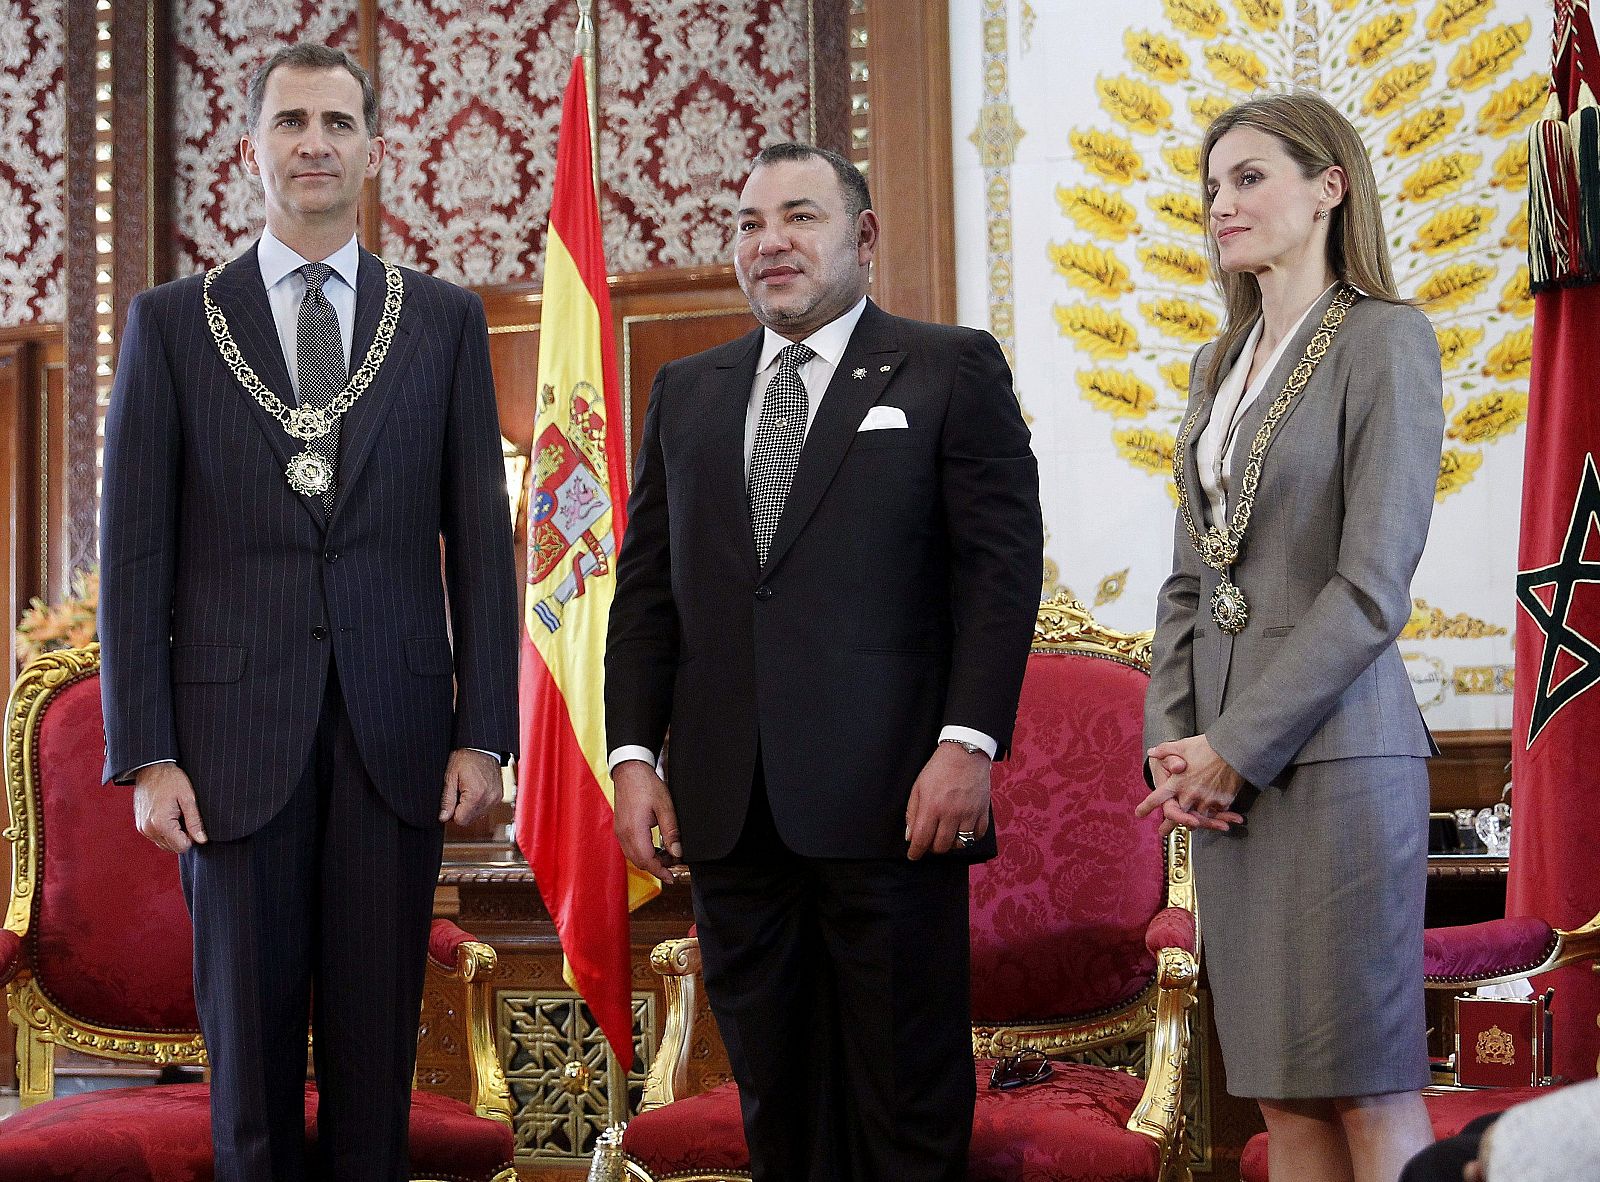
(969, 748)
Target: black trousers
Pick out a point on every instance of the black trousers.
(840, 988)
(322, 913)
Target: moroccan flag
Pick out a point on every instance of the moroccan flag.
(1555, 830)
(577, 497)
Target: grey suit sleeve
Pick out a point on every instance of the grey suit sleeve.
(1169, 701)
(1394, 427)
(138, 549)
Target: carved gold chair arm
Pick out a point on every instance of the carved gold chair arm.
(472, 963)
(491, 1097)
(1159, 1113)
(677, 963)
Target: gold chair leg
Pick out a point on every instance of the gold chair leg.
(36, 1059)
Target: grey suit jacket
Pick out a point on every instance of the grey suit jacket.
(1337, 530)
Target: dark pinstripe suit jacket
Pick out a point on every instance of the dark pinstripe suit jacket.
(225, 595)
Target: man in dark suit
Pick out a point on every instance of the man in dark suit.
(288, 438)
(827, 593)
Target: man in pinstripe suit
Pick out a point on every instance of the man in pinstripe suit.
(279, 676)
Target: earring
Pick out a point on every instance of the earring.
(1322, 215)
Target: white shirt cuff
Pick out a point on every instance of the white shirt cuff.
(966, 734)
(627, 752)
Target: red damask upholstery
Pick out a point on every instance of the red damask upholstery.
(1173, 927)
(444, 940)
(1059, 918)
(106, 952)
(1068, 1128)
(164, 1135)
(1450, 1112)
(10, 954)
(1498, 948)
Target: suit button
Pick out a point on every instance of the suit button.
(763, 592)
(330, 556)
(319, 633)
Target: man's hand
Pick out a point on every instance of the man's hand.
(471, 784)
(164, 807)
(951, 796)
(641, 803)
(1194, 786)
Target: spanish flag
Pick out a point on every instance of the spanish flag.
(577, 497)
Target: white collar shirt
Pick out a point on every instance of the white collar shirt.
(828, 343)
(1214, 452)
(286, 288)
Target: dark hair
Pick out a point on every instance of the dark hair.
(310, 56)
(857, 197)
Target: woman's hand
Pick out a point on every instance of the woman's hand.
(1194, 787)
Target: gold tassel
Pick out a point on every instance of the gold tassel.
(1550, 197)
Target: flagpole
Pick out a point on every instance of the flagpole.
(586, 47)
(616, 1082)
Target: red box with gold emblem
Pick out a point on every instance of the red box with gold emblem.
(1502, 1042)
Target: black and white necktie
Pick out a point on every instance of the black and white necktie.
(775, 453)
(319, 363)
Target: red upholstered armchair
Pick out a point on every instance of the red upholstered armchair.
(1457, 959)
(95, 957)
(1083, 936)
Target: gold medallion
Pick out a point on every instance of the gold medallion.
(1228, 607)
(309, 474)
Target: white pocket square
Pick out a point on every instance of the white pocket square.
(884, 418)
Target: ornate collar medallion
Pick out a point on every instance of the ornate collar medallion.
(1219, 547)
(309, 474)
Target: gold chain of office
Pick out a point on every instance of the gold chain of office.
(306, 423)
(1219, 547)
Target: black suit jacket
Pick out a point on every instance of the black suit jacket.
(898, 596)
(225, 595)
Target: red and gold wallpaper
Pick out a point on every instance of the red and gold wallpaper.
(689, 91)
(32, 164)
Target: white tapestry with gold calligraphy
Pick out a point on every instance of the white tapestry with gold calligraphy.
(1080, 245)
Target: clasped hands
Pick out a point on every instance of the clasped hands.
(1194, 786)
(165, 811)
(951, 796)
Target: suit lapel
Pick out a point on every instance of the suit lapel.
(361, 424)
(729, 403)
(239, 294)
(873, 354)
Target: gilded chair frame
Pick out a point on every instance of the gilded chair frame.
(42, 1023)
(1161, 1013)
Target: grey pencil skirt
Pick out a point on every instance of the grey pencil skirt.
(1311, 916)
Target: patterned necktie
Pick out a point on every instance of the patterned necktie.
(780, 433)
(319, 362)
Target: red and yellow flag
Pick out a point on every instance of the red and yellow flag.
(577, 497)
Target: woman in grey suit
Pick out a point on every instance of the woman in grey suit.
(1281, 724)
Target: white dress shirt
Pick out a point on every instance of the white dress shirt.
(286, 288)
(828, 343)
(1214, 452)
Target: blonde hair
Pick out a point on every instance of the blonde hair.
(1317, 138)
